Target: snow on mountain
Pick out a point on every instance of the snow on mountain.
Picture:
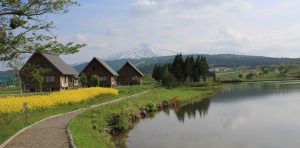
(143, 51)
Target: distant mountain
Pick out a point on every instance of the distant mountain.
(6, 74)
(143, 51)
(222, 60)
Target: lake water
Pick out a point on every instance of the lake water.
(250, 115)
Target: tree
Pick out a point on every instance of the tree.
(156, 73)
(188, 68)
(94, 81)
(83, 80)
(168, 80)
(34, 74)
(177, 68)
(283, 71)
(197, 70)
(204, 68)
(37, 75)
(25, 29)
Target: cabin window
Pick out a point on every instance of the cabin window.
(50, 78)
(103, 78)
(94, 68)
(135, 78)
(65, 79)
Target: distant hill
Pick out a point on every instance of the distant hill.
(7, 74)
(222, 60)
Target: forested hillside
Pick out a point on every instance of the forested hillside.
(146, 65)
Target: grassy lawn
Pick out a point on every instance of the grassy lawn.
(12, 123)
(9, 91)
(88, 129)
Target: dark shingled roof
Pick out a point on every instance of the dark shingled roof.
(134, 68)
(59, 64)
(102, 62)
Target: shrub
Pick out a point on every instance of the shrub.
(241, 76)
(169, 81)
(119, 121)
(250, 75)
(94, 81)
(151, 107)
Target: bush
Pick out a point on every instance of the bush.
(119, 121)
(169, 81)
(250, 75)
(94, 81)
(151, 107)
(241, 75)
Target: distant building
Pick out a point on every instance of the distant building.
(130, 75)
(59, 75)
(108, 76)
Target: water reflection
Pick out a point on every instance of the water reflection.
(245, 91)
(252, 115)
(190, 111)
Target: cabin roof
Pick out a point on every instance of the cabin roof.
(111, 70)
(136, 69)
(103, 63)
(58, 63)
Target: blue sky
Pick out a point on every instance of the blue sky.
(250, 27)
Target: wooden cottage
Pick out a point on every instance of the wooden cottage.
(58, 75)
(130, 75)
(108, 76)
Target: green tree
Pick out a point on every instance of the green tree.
(83, 80)
(156, 73)
(24, 28)
(204, 68)
(188, 68)
(169, 80)
(283, 71)
(94, 81)
(34, 74)
(178, 68)
(197, 70)
(38, 76)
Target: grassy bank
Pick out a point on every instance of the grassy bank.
(9, 91)
(240, 75)
(13, 122)
(90, 128)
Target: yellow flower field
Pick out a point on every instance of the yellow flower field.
(15, 104)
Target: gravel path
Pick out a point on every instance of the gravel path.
(50, 132)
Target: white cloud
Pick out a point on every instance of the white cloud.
(269, 28)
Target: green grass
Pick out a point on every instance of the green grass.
(12, 123)
(233, 76)
(4, 91)
(88, 128)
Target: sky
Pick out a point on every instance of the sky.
(248, 27)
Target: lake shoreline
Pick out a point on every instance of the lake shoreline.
(121, 120)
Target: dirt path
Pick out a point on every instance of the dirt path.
(50, 132)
